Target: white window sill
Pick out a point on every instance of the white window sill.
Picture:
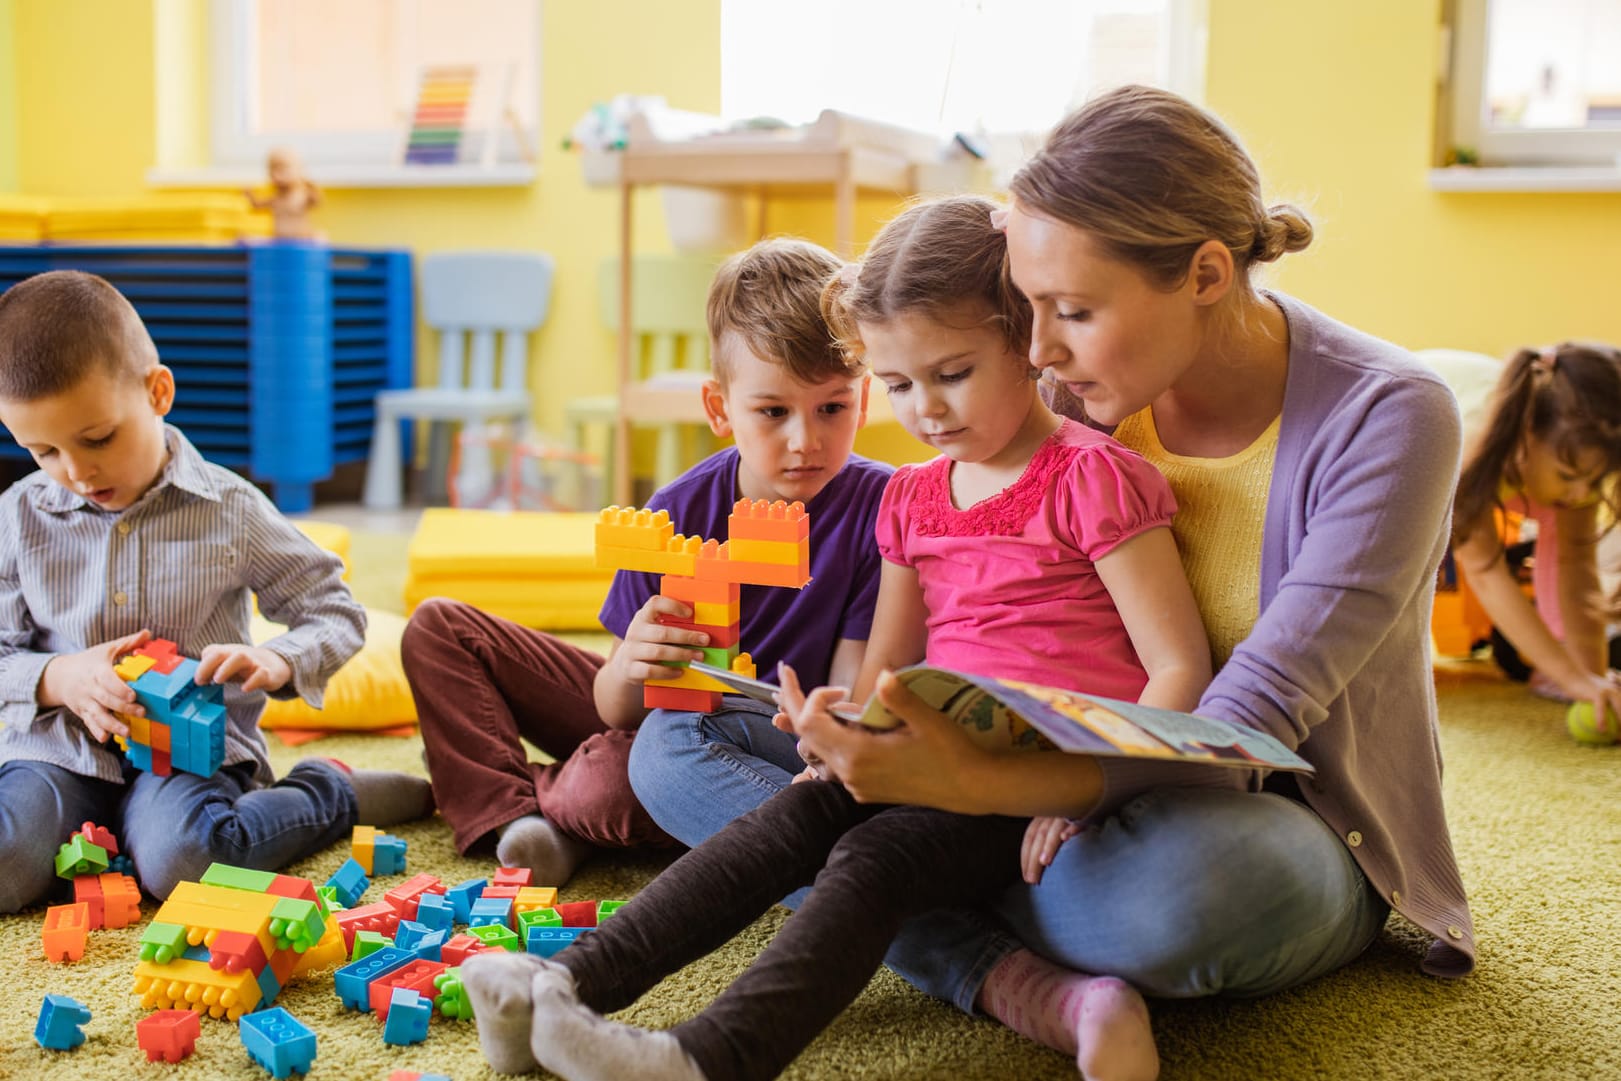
(1528, 178)
(515, 175)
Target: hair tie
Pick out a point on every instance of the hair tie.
(849, 274)
(1546, 360)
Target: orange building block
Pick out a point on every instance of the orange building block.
(120, 900)
(695, 591)
(760, 520)
(66, 927)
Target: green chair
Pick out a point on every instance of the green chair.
(669, 359)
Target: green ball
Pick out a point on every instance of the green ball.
(1583, 728)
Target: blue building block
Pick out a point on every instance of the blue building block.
(388, 855)
(59, 1021)
(408, 1015)
(349, 882)
(546, 941)
(488, 911)
(353, 981)
(194, 715)
(409, 933)
(435, 911)
(463, 894)
(278, 1041)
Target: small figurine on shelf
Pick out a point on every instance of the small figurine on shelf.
(293, 195)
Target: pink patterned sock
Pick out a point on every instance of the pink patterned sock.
(1100, 1020)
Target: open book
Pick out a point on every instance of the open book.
(1009, 714)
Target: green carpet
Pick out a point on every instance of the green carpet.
(1532, 817)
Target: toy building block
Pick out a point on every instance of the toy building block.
(547, 941)
(495, 936)
(328, 952)
(760, 520)
(697, 591)
(405, 896)
(80, 856)
(430, 947)
(578, 913)
(367, 943)
(724, 565)
(186, 982)
(678, 556)
(450, 997)
(417, 975)
(606, 909)
(388, 856)
(412, 1075)
(59, 1020)
(406, 1017)
(489, 910)
(463, 894)
(237, 878)
(538, 917)
(237, 951)
(719, 635)
(64, 932)
(120, 899)
(278, 1041)
(435, 911)
(512, 876)
(362, 846)
(87, 892)
(461, 947)
(98, 835)
(379, 917)
(680, 698)
(530, 897)
(493, 891)
(184, 724)
(627, 527)
(350, 881)
(169, 1035)
(353, 981)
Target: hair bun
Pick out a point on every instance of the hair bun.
(1284, 229)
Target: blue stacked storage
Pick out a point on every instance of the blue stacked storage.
(278, 349)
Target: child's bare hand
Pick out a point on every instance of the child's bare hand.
(86, 684)
(653, 650)
(795, 700)
(255, 667)
(1042, 841)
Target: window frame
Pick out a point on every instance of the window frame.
(1497, 147)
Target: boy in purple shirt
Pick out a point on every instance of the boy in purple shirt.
(785, 392)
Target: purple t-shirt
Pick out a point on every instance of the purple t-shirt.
(800, 626)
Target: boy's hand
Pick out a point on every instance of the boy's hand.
(652, 650)
(86, 684)
(255, 667)
(1042, 840)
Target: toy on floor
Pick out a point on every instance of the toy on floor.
(1583, 726)
(377, 853)
(278, 1041)
(60, 1018)
(65, 930)
(768, 544)
(169, 1035)
(184, 724)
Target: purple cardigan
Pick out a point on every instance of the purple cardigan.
(1338, 664)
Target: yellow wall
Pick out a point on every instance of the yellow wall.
(1335, 102)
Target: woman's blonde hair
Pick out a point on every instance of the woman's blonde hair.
(936, 257)
(1568, 398)
(1153, 177)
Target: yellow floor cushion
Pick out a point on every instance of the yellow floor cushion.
(537, 569)
(369, 691)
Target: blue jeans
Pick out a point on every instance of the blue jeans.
(171, 827)
(1182, 892)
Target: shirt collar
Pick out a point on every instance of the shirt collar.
(186, 470)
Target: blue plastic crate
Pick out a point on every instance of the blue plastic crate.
(278, 350)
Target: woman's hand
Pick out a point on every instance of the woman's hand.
(925, 761)
(1605, 694)
(1042, 841)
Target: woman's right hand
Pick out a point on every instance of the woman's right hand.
(655, 650)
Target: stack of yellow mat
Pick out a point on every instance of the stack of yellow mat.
(205, 218)
(534, 568)
(22, 219)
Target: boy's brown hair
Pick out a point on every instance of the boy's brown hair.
(770, 296)
(58, 327)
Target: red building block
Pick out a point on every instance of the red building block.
(380, 917)
(416, 976)
(578, 913)
(685, 699)
(236, 951)
(87, 892)
(169, 1035)
(460, 948)
(404, 897)
(512, 876)
(100, 835)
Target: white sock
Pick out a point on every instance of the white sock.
(576, 1043)
(498, 986)
(535, 843)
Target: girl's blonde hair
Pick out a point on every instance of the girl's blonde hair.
(936, 257)
(1152, 177)
(1568, 398)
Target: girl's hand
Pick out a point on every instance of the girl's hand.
(654, 650)
(255, 667)
(1042, 840)
(86, 684)
(1605, 694)
(924, 761)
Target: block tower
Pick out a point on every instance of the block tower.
(768, 545)
(184, 725)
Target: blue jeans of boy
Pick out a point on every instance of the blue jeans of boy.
(171, 827)
(1182, 892)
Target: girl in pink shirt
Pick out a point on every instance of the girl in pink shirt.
(1033, 548)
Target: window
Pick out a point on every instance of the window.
(1537, 82)
(978, 66)
(339, 82)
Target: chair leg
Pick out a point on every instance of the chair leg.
(667, 465)
(383, 466)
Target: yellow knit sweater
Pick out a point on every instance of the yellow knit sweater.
(1220, 518)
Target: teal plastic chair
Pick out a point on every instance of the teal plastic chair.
(670, 358)
(484, 305)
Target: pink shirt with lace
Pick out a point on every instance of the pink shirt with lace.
(1010, 583)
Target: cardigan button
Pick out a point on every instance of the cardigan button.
(1455, 931)
(1395, 898)
(1354, 839)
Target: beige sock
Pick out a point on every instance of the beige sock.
(535, 843)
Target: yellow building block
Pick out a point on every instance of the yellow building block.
(678, 556)
(327, 953)
(533, 897)
(187, 984)
(131, 668)
(743, 664)
(363, 846)
(792, 553)
(623, 527)
(715, 615)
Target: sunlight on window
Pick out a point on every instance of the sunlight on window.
(943, 66)
(1553, 64)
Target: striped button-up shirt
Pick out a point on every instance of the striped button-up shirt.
(182, 562)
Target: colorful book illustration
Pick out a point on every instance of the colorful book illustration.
(1006, 713)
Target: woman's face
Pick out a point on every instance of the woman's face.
(1107, 332)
